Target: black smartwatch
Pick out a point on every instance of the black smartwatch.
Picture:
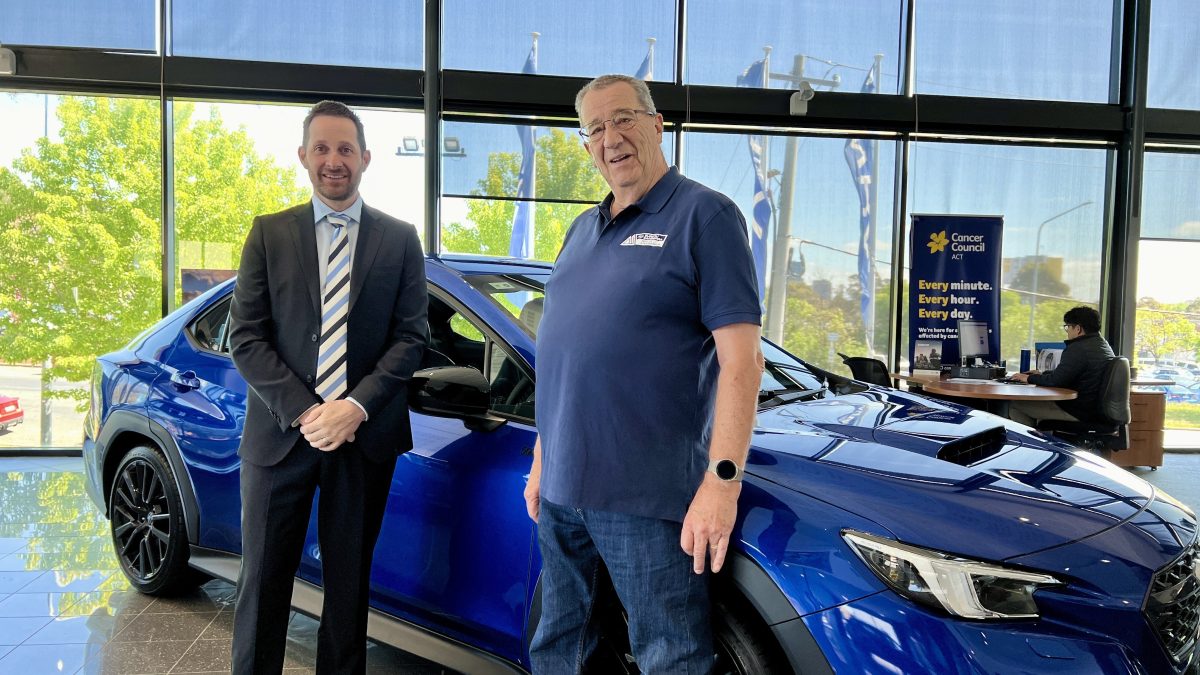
(726, 469)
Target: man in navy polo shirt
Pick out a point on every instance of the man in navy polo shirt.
(648, 374)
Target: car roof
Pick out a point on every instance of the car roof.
(461, 263)
(480, 264)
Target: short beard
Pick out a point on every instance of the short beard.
(327, 191)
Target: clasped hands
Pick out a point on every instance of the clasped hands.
(328, 425)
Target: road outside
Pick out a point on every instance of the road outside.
(66, 426)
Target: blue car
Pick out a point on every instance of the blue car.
(878, 531)
(1177, 393)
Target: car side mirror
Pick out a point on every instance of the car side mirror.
(457, 392)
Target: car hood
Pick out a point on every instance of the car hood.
(942, 476)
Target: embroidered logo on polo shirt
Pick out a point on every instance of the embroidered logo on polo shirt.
(645, 239)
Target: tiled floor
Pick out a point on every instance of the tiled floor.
(66, 608)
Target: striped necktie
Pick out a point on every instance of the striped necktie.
(331, 356)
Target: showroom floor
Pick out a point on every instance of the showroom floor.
(65, 607)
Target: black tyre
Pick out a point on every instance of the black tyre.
(744, 643)
(147, 524)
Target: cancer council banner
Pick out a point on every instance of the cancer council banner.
(955, 276)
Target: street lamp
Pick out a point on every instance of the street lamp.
(1037, 254)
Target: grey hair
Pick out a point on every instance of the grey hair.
(639, 88)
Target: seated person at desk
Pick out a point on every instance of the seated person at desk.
(1081, 368)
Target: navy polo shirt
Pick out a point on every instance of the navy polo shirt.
(627, 367)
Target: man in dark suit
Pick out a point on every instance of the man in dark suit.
(327, 325)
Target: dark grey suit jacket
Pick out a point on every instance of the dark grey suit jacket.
(275, 325)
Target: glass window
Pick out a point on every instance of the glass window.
(1052, 203)
(80, 223)
(838, 40)
(483, 188)
(131, 25)
(1174, 80)
(209, 330)
(455, 340)
(234, 161)
(822, 306)
(512, 388)
(1057, 51)
(1170, 201)
(488, 163)
(519, 295)
(372, 33)
(1168, 306)
(572, 39)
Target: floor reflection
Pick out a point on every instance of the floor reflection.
(65, 607)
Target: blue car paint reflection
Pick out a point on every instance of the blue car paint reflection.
(458, 555)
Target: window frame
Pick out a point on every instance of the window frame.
(491, 341)
(226, 301)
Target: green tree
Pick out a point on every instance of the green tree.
(564, 170)
(1048, 281)
(1161, 333)
(80, 225)
(811, 322)
(1014, 318)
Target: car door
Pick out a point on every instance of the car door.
(201, 400)
(454, 551)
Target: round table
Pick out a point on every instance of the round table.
(997, 391)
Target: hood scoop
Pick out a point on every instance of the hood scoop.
(975, 448)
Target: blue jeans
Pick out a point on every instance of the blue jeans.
(668, 605)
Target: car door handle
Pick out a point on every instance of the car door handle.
(185, 381)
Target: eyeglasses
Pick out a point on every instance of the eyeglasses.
(623, 120)
(1067, 326)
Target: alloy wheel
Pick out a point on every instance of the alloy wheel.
(141, 519)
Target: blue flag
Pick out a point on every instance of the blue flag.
(760, 228)
(521, 245)
(860, 157)
(645, 72)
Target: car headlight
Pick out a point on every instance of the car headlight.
(966, 588)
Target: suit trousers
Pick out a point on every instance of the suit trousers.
(276, 506)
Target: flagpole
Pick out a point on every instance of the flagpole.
(522, 241)
(531, 236)
(650, 57)
(870, 327)
(766, 147)
(779, 253)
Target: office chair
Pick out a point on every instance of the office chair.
(867, 369)
(1110, 433)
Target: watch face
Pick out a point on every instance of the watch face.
(727, 469)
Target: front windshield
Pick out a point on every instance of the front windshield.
(521, 295)
(786, 371)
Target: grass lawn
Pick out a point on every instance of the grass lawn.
(1183, 416)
